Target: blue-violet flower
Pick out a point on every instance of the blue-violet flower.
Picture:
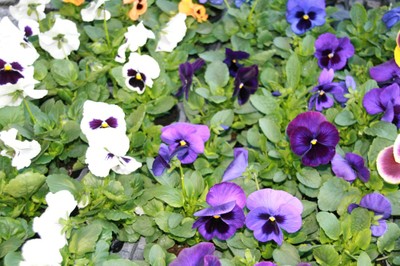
(350, 167)
(391, 17)
(200, 254)
(186, 72)
(239, 164)
(304, 15)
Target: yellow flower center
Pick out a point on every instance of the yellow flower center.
(104, 125)
(7, 67)
(138, 76)
(182, 143)
(306, 17)
(321, 93)
(241, 85)
(272, 218)
(234, 61)
(216, 216)
(314, 141)
(330, 55)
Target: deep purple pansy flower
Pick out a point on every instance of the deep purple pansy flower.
(246, 83)
(333, 52)
(239, 164)
(161, 162)
(10, 72)
(313, 138)
(386, 73)
(381, 207)
(198, 255)
(186, 72)
(231, 60)
(303, 15)
(384, 100)
(388, 163)
(350, 167)
(326, 92)
(225, 214)
(270, 212)
(185, 140)
(391, 17)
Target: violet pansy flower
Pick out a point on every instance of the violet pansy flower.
(333, 52)
(350, 167)
(313, 138)
(239, 164)
(186, 72)
(386, 73)
(246, 83)
(265, 263)
(326, 92)
(381, 207)
(304, 15)
(231, 60)
(200, 254)
(185, 140)
(225, 214)
(272, 211)
(388, 163)
(161, 162)
(384, 100)
(391, 17)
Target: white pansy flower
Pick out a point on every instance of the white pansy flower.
(102, 122)
(94, 12)
(39, 252)
(102, 159)
(172, 34)
(135, 37)
(61, 39)
(24, 151)
(140, 71)
(33, 9)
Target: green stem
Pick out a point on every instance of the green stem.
(30, 112)
(106, 29)
(252, 10)
(182, 183)
(227, 4)
(256, 180)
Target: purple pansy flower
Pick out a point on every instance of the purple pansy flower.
(313, 138)
(333, 52)
(10, 72)
(303, 15)
(326, 92)
(381, 207)
(214, 2)
(231, 60)
(391, 17)
(200, 254)
(386, 73)
(185, 140)
(186, 72)
(246, 83)
(385, 100)
(225, 214)
(388, 163)
(161, 162)
(270, 212)
(265, 263)
(239, 164)
(350, 167)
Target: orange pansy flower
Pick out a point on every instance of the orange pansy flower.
(74, 2)
(139, 7)
(195, 10)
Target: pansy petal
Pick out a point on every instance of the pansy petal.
(385, 71)
(216, 210)
(379, 230)
(310, 120)
(377, 203)
(326, 76)
(300, 141)
(194, 255)
(328, 134)
(396, 149)
(342, 169)
(272, 199)
(291, 219)
(239, 164)
(226, 192)
(371, 102)
(387, 166)
(211, 260)
(235, 218)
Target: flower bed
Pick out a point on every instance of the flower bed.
(221, 132)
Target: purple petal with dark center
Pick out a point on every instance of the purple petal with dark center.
(342, 168)
(318, 155)
(378, 230)
(187, 156)
(2, 64)
(211, 260)
(290, 219)
(300, 141)
(372, 103)
(357, 163)
(234, 218)
(95, 123)
(226, 192)
(194, 256)
(387, 166)
(347, 49)
(239, 164)
(9, 76)
(310, 120)
(328, 134)
(176, 132)
(16, 66)
(325, 41)
(385, 72)
(389, 94)
(323, 102)
(377, 203)
(216, 210)
(265, 263)
(195, 142)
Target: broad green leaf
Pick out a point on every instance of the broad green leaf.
(293, 71)
(309, 177)
(222, 118)
(64, 71)
(270, 129)
(377, 145)
(57, 182)
(217, 75)
(330, 224)
(286, 254)
(364, 259)
(388, 240)
(24, 185)
(331, 193)
(326, 256)
(358, 15)
(360, 220)
(382, 129)
(282, 43)
(345, 118)
(169, 195)
(266, 104)
(84, 239)
(144, 225)
(157, 255)
(10, 245)
(185, 229)
(119, 262)
(161, 105)
(70, 131)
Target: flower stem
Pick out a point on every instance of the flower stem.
(256, 180)
(227, 4)
(106, 29)
(28, 109)
(252, 10)
(182, 182)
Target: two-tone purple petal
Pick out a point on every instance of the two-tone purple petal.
(200, 254)
(350, 167)
(239, 164)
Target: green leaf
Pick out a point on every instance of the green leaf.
(135, 119)
(119, 262)
(10, 245)
(70, 131)
(309, 177)
(382, 129)
(388, 240)
(161, 105)
(293, 71)
(266, 104)
(167, 6)
(364, 259)
(217, 75)
(360, 220)
(306, 47)
(185, 229)
(326, 256)
(345, 118)
(282, 43)
(358, 15)
(330, 224)
(331, 193)
(24, 185)
(157, 256)
(194, 184)
(270, 129)
(12, 259)
(144, 225)
(377, 145)
(57, 182)
(222, 118)
(11, 115)
(169, 195)
(286, 254)
(94, 32)
(84, 239)
(64, 71)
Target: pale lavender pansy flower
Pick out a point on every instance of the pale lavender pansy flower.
(333, 52)
(239, 164)
(350, 167)
(95, 11)
(172, 33)
(185, 140)
(198, 255)
(225, 214)
(272, 211)
(326, 92)
(384, 100)
(381, 207)
(313, 138)
(303, 15)
(388, 163)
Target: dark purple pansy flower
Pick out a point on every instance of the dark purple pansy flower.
(385, 100)
(186, 72)
(381, 207)
(333, 52)
(231, 60)
(98, 123)
(350, 167)
(198, 255)
(239, 164)
(303, 15)
(225, 214)
(391, 17)
(185, 140)
(386, 73)
(246, 83)
(10, 72)
(388, 163)
(326, 92)
(313, 138)
(270, 212)
(161, 162)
